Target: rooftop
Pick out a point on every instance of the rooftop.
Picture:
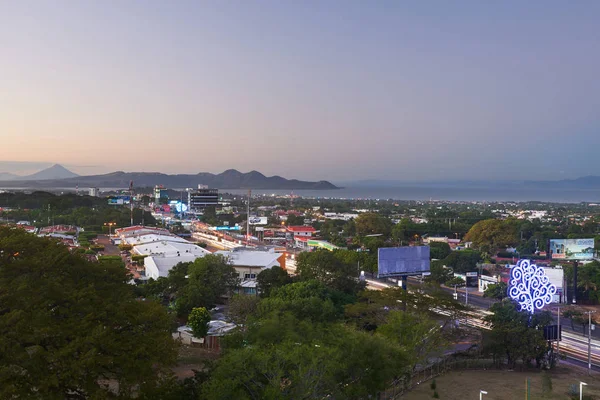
(301, 229)
(248, 258)
(170, 249)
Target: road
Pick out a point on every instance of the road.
(573, 345)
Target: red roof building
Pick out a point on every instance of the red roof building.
(301, 230)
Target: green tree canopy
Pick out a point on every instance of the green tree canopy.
(68, 325)
(439, 250)
(328, 268)
(208, 279)
(493, 234)
(373, 223)
(496, 291)
(198, 320)
(516, 335)
(272, 278)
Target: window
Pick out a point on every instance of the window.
(249, 276)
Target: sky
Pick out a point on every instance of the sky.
(334, 90)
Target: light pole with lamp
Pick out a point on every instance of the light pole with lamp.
(558, 336)
(581, 385)
(110, 225)
(589, 313)
(481, 393)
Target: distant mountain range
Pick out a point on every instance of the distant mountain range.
(54, 172)
(230, 179)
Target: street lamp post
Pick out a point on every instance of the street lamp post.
(110, 225)
(589, 313)
(581, 385)
(558, 338)
(481, 393)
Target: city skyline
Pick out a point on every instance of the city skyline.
(335, 91)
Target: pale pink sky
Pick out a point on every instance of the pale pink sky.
(330, 90)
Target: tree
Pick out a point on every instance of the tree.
(492, 234)
(496, 290)
(241, 308)
(198, 320)
(462, 261)
(307, 300)
(272, 278)
(67, 326)
(326, 267)
(516, 335)
(294, 220)
(373, 223)
(418, 334)
(439, 250)
(456, 281)
(305, 361)
(209, 278)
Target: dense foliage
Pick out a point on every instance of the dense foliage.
(69, 328)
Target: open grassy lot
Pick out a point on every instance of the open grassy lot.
(506, 385)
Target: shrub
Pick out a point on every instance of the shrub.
(433, 385)
(138, 257)
(198, 321)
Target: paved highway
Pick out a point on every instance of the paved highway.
(574, 346)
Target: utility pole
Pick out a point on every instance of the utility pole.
(131, 200)
(466, 295)
(589, 313)
(248, 219)
(575, 282)
(558, 338)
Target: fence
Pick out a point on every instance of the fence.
(405, 384)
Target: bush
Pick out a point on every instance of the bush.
(436, 395)
(198, 321)
(88, 235)
(125, 247)
(97, 247)
(433, 385)
(109, 258)
(90, 252)
(138, 257)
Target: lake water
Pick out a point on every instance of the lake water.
(480, 194)
(445, 193)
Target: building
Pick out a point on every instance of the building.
(160, 194)
(303, 242)
(94, 192)
(249, 263)
(162, 256)
(202, 198)
(306, 231)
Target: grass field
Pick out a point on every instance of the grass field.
(506, 385)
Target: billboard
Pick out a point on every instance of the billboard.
(572, 249)
(115, 202)
(258, 220)
(227, 228)
(402, 261)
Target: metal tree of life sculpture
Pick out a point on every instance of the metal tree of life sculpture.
(529, 286)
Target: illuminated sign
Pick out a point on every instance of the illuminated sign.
(227, 228)
(180, 207)
(572, 249)
(529, 286)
